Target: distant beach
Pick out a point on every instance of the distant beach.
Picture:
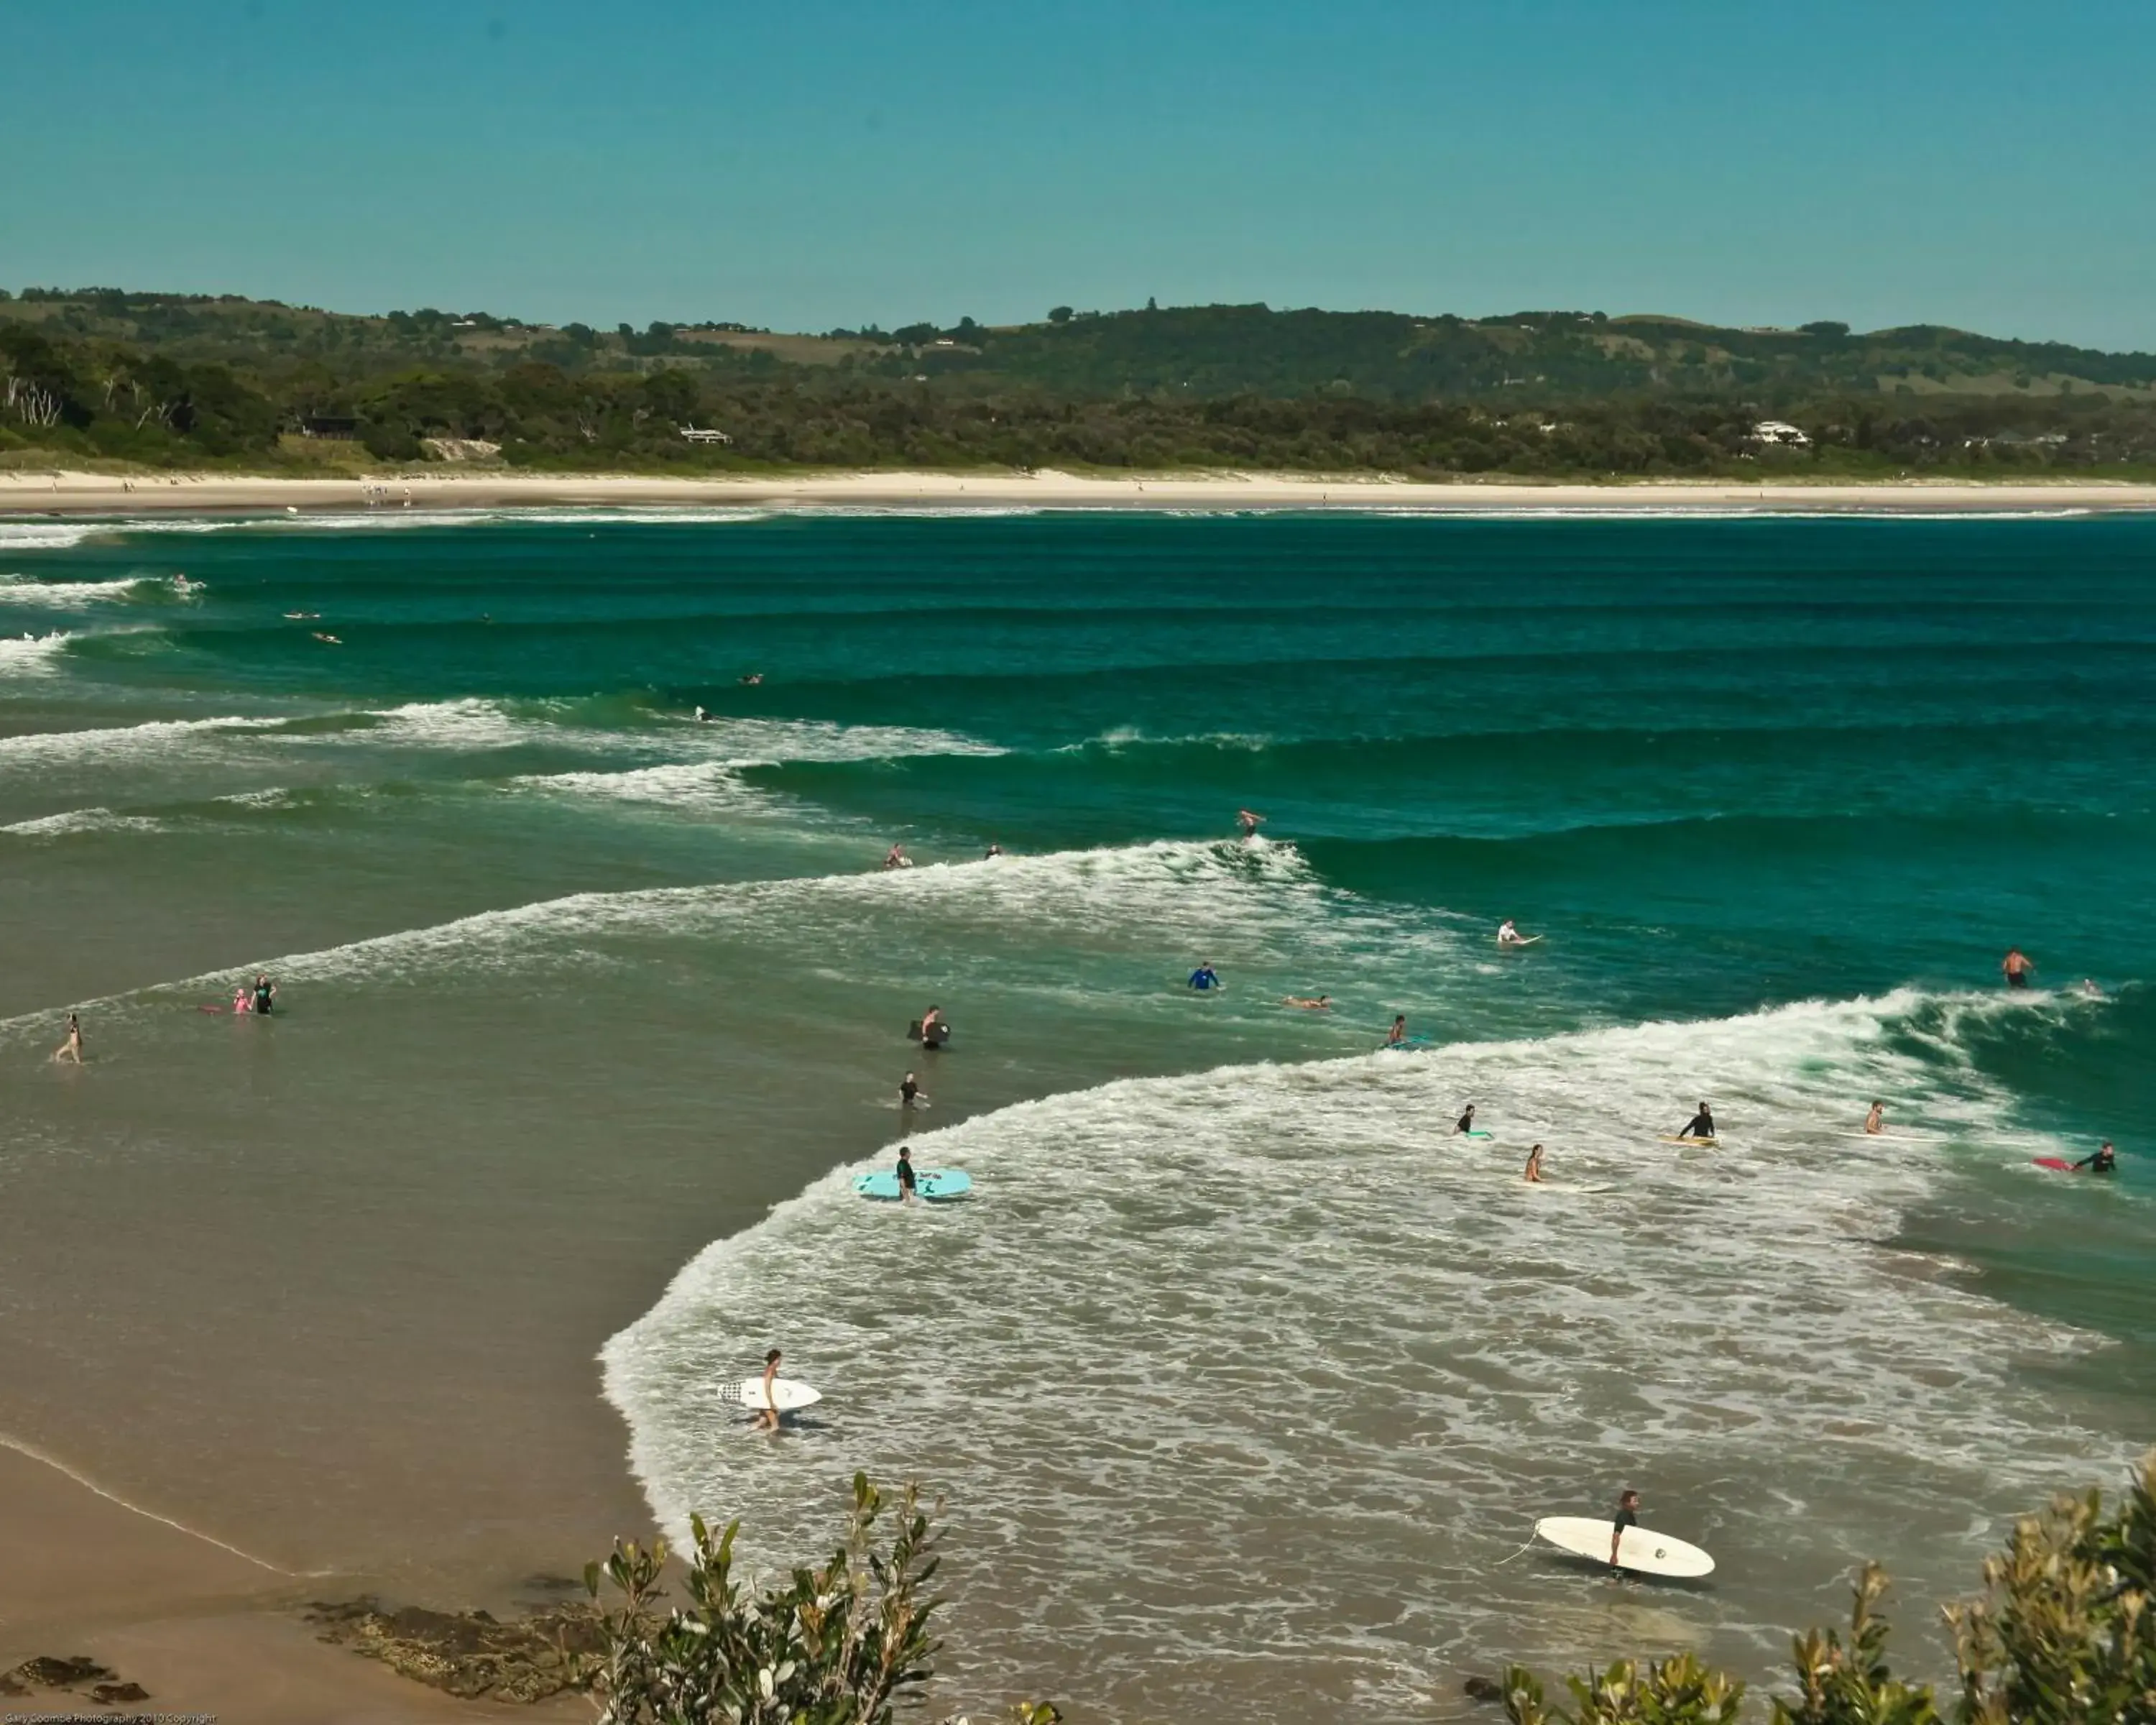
(71, 493)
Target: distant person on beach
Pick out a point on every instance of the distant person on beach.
(2104, 1161)
(265, 992)
(71, 1049)
(905, 1186)
(1628, 1516)
(1205, 978)
(1534, 1174)
(896, 858)
(910, 1093)
(1701, 1125)
(1465, 1123)
(767, 1418)
(2016, 964)
(1398, 1033)
(1249, 822)
(1308, 1003)
(1875, 1122)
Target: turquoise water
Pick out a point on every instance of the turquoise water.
(1240, 1376)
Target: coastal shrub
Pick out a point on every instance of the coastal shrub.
(838, 1645)
(2061, 1635)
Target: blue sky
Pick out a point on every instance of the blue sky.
(812, 164)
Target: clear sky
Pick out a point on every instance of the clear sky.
(1987, 163)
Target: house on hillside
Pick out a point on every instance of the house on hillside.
(1777, 431)
(697, 434)
(329, 426)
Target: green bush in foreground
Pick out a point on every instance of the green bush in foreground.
(2061, 1636)
(835, 1645)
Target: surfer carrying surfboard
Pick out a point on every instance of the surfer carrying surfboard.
(768, 1417)
(1628, 1516)
(1701, 1125)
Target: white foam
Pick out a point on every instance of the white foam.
(1265, 1350)
(46, 536)
(151, 739)
(83, 820)
(705, 787)
(56, 595)
(32, 655)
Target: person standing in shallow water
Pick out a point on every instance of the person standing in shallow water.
(265, 992)
(70, 1051)
(1534, 1174)
(1628, 1516)
(767, 1418)
(2016, 966)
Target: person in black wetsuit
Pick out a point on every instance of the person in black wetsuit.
(2104, 1161)
(1465, 1123)
(1701, 1125)
(1628, 1516)
(906, 1187)
(909, 1091)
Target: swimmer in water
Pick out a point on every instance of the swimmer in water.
(1204, 979)
(1249, 822)
(1875, 1122)
(1398, 1033)
(767, 1417)
(2016, 965)
(71, 1050)
(1534, 1174)
(905, 1185)
(1701, 1125)
(1308, 1003)
(2104, 1161)
(1465, 1123)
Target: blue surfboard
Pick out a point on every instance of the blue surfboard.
(937, 1185)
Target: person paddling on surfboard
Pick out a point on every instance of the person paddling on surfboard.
(2104, 1161)
(1701, 1125)
(769, 1418)
(1875, 1122)
(1308, 1003)
(1628, 1516)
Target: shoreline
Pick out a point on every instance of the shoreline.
(66, 494)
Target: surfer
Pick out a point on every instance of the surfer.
(1534, 1175)
(1398, 1033)
(1628, 1516)
(1204, 979)
(896, 858)
(910, 1092)
(702, 717)
(71, 1050)
(905, 1174)
(332, 640)
(1308, 1003)
(769, 1418)
(1875, 1122)
(1465, 1123)
(993, 849)
(1508, 935)
(753, 679)
(265, 991)
(1249, 822)
(1701, 1125)
(2017, 965)
(2104, 1161)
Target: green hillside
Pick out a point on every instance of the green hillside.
(163, 380)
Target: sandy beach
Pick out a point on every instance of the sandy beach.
(72, 493)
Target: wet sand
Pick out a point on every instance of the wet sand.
(86, 493)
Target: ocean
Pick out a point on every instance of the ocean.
(1242, 1379)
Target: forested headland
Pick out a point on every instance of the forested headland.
(103, 377)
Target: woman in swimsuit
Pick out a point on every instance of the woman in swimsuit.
(71, 1050)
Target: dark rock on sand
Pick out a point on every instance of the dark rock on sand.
(113, 1693)
(47, 1672)
(1484, 1689)
(470, 1653)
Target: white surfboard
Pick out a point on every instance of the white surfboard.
(1525, 940)
(789, 1393)
(1641, 1548)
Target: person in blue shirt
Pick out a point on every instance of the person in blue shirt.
(1204, 978)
